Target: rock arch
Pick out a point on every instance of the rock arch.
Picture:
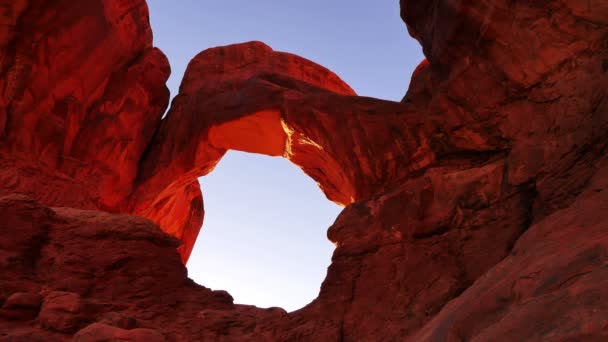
(250, 98)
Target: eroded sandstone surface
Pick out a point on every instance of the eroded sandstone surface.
(475, 209)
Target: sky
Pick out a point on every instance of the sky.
(264, 236)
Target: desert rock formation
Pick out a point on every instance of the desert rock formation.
(475, 209)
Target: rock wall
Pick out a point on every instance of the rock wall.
(474, 209)
(83, 91)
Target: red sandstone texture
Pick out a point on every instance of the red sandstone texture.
(475, 209)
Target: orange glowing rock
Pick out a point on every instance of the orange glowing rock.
(259, 132)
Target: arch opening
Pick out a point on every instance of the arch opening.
(262, 106)
(264, 238)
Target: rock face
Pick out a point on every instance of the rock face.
(81, 94)
(475, 209)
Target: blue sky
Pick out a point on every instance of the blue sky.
(264, 236)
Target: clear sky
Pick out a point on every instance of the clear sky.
(264, 236)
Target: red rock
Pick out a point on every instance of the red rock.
(21, 305)
(23, 300)
(98, 332)
(555, 273)
(271, 106)
(92, 255)
(85, 78)
(475, 208)
(62, 311)
(118, 320)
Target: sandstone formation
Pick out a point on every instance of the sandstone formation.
(475, 209)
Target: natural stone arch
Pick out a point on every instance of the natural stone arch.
(247, 97)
